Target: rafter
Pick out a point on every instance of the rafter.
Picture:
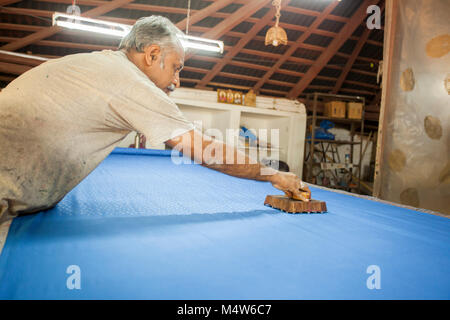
(132, 6)
(13, 68)
(334, 46)
(194, 18)
(238, 47)
(153, 8)
(351, 60)
(317, 22)
(357, 91)
(234, 19)
(361, 42)
(238, 76)
(63, 44)
(20, 60)
(305, 12)
(367, 73)
(362, 84)
(6, 78)
(205, 12)
(241, 40)
(314, 13)
(47, 32)
(7, 2)
(156, 8)
(275, 56)
(20, 27)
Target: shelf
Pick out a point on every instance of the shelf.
(335, 141)
(332, 95)
(313, 99)
(337, 166)
(341, 120)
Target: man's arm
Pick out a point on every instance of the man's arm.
(227, 159)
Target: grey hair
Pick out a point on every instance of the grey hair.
(152, 30)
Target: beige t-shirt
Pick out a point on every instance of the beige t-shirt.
(59, 120)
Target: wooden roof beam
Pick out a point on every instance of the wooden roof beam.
(12, 68)
(205, 12)
(366, 73)
(237, 48)
(315, 14)
(19, 27)
(6, 78)
(363, 84)
(20, 60)
(346, 32)
(358, 91)
(235, 18)
(275, 56)
(181, 24)
(306, 12)
(132, 6)
(63, 44)
(8, 2)
(351, 61)
(223, 15)
(317, 22)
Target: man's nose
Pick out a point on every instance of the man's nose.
(176, 81)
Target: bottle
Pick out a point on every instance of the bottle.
(347, 159)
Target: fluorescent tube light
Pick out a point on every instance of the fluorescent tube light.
(91, 25)
(202, 43)
(121, 30)
(22, 55)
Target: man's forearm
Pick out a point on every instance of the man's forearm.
(247, 171)
(216, 155)
(236, 163)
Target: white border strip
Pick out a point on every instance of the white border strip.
(380, 200)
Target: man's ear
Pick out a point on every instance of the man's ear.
(152, 54)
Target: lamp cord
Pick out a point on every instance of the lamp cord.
(277, 5)
(188, 14)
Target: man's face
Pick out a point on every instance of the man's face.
(166, 76)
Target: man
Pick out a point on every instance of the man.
(59, 120)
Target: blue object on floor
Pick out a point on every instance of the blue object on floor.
(141, 227)
(322, 132)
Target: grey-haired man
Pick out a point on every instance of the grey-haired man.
(59, 120)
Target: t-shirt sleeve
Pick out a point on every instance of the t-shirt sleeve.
(145, 108)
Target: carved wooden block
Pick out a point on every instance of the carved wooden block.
(295, 206)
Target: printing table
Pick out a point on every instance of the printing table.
(141, 227)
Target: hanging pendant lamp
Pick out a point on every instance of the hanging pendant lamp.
(276, 35)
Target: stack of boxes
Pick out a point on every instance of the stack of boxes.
(339, 109)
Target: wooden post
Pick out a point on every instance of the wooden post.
(389, 38)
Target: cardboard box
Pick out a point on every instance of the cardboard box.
(354, 110)
(335, 109)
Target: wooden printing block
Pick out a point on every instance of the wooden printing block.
(286, 204)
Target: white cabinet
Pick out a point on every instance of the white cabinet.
(280, 122)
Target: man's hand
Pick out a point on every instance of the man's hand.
(292, 186)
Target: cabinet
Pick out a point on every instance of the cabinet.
(322, 156)
(280, 122)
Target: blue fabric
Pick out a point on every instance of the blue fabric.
(141, 227)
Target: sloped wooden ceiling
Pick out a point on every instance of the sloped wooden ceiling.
(330, 49)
